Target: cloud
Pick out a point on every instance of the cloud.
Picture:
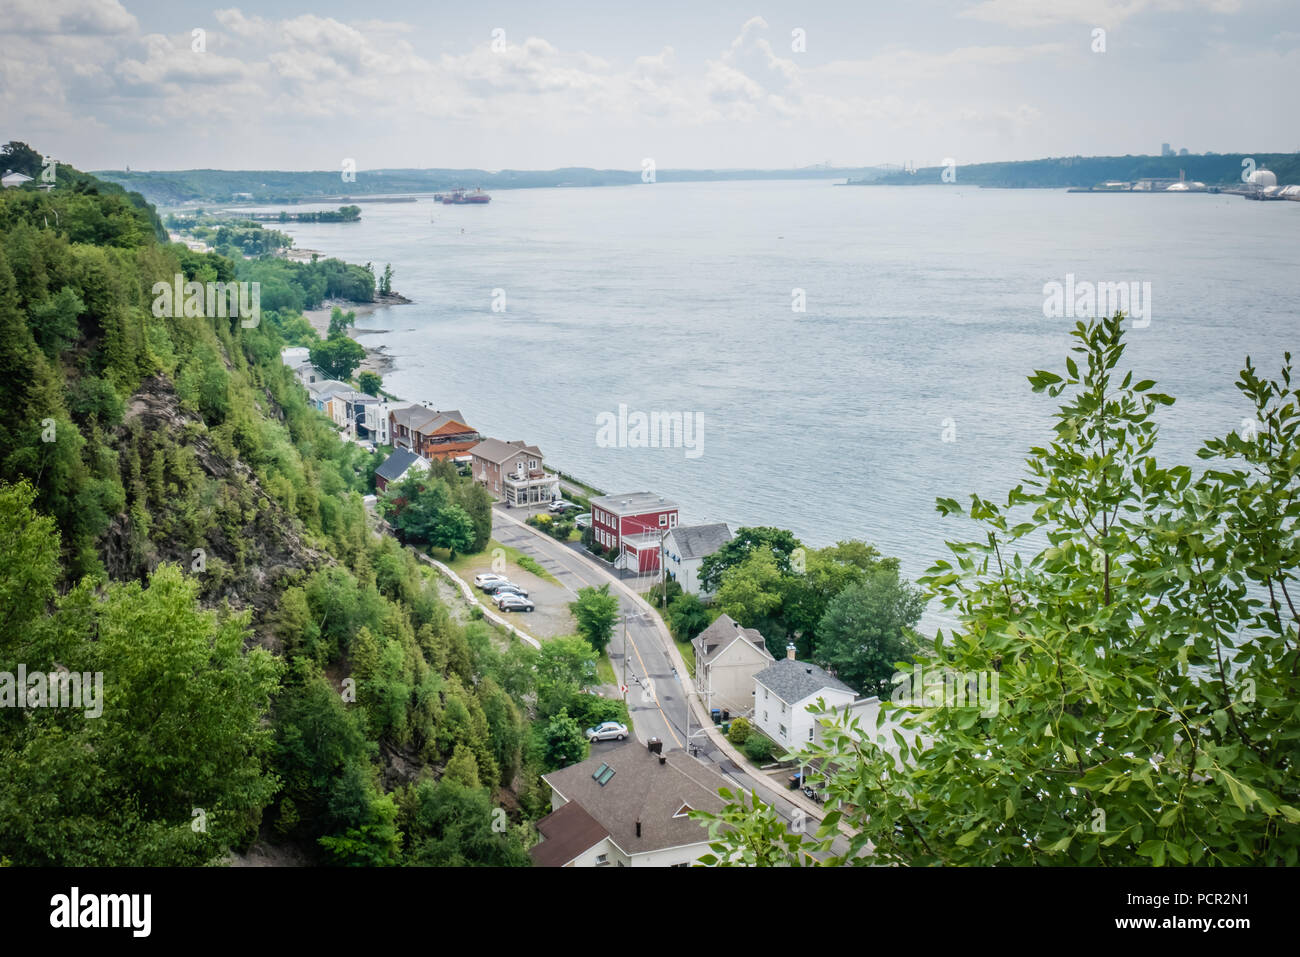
(86, 17)
(1105, 13)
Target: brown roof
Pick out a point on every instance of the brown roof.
(494, 450)
(566, 833)
(643, 789)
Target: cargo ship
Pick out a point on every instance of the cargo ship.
(460, 197)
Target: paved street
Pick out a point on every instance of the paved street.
(656, 694)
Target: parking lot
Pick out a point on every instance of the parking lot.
(550, 616)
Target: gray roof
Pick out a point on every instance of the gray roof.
(630, 503)
(697, 541)
(792, 681)
(395, 466)
(494, 450)
(566, 833)
(643, 789)
(720, 635)
(329, 387)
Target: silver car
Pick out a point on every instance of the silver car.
(607, 731)
(509, 601)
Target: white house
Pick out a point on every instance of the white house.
(294, 356)
(13, 178)
(628, 807)
(783, 693)
(686, 546)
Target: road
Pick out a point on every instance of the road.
(656, 697)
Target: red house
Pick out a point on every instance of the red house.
(635, 523)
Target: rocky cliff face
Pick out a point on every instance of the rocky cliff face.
(189, 502)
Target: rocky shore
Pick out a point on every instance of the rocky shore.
(377, 357)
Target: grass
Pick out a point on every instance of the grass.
(464, 565)
(605, 670)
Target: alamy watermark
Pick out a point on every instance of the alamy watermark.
(946, 688)
(55, 689)
(651, 430)
(1100, 300)
(195, 300)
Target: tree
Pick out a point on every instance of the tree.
(451, 825)
(867, 628)
(827, 572)
(462, 767)
(596, 611)
(453, 530)
(751, 592)
(340, 322)
(370, 382)
(337, 357)
(386, 282)
(687, 616)
(1138, 672)
(781, 542)
(563, 742)
(565, 666)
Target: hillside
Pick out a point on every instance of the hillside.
(1217, 170)
(179, 520)
(173, 188)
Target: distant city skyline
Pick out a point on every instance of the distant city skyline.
(105, 84)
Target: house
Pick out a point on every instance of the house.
(12, 178)
(294, 356)
(308, 374)
(513, 472)
(378, 421)
(783, 693)
(686, 547)
(628, 807)
(727, 657)
(328, 396)
(395, 467)
(634, 523)
(431, 433)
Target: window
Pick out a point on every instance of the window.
(782, 727)
(810, 734)
(783, 708)
(663, 521)
(602, 860)
(684, 810)
(672, 520)
(765, 717)
(603, 774)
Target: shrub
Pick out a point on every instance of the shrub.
(740, 732)
(529, 565)
(757, 747)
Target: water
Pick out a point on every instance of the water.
(923, 304)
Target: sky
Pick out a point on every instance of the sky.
(105, 84)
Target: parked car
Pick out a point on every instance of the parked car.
(582, 521)
(495, 588)
(487, 578)
(509, 601)
(560, 506)
(607, 731)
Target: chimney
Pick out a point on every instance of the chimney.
(638, 827)
(789, 651)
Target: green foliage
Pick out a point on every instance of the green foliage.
(338, 356)
(867, 629)
(686, 616)
(750, 592)
(740, 731)
(564, 667)
(596, 612)
(758, 747)
(779, 541)
(1144, 659)
(452, 825)
(370, 382)
(563, 742)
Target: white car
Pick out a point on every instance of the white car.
(487, 578)
(607, 731)
(559, 506)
